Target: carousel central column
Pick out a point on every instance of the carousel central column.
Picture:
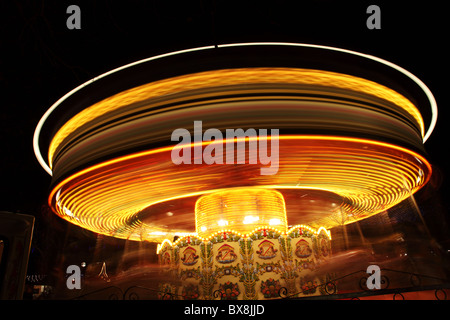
(263, 260)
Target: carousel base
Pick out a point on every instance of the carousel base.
(265, 264)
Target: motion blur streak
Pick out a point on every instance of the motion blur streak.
(370, 176)
(138, 96)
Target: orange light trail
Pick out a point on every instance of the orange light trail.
(222, 78)
(370, 176)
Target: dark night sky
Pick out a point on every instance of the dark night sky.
(41, 60)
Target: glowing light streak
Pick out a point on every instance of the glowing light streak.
(107, 200)
(432, 101)
(420, 83)
(231, 77)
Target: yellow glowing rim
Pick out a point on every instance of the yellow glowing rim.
(101, 203)
(415, 79)
(232, 77)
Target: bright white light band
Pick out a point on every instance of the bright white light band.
(426, 90)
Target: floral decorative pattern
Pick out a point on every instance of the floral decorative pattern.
(166, 291)
(229, 291)
(261, 265)
(308, 286)
(190, 292)
(270, 288)
(324, 247)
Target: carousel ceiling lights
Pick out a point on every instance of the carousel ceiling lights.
(352, 141)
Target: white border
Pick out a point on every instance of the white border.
(426, 90)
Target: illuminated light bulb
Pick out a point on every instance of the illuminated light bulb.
(274, 222)
(246, 210)
(101, 200)
(185, 237)
(364, 195)
(222, 223)
(250, 219)
(157, 233)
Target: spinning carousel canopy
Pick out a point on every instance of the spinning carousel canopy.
(350, 145)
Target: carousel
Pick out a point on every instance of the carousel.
(349, 144)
